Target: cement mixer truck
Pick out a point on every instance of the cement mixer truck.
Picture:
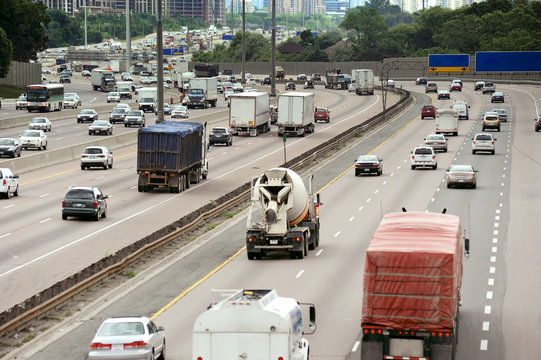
(253, 324)
(283, 216)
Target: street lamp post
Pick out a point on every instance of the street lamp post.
(159, 45)
(243, 69)
(273, 45)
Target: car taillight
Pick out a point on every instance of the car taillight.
(95, 204)
(357, 165)
(492, 142)
(100, 346)
(63, 202)
(135, 345)
(413, 157)
(5, 182)
(474, 143)
(375, 165)
(84, 156)
(433, 156)
(101, 156)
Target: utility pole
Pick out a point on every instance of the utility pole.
(159, 45)
(128, 37)
(86, 43)
(273, 45)
(243, 65)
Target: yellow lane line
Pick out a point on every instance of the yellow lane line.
(185, 292)
(67, 171)
(172, 302)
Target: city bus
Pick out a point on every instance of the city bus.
(45, 97)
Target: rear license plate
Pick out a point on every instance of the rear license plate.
(274, 242)
(366, 169)
(117, 347)
(460, 180)
(79, 205)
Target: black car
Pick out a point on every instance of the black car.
(84, 201)
(421, 81)
(266, 81)
(220, 135)
(10, 147)
(368, 164)
(87, 115)
(290, 85)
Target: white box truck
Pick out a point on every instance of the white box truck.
(364, 81)
(249, 113)
(462, 108)
(295, 113)
(252, 324)
(103, 80)
(203, 92)
(118, 66)
(147, 98)
(124, 88)
(446, 122)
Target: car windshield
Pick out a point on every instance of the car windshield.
(87, 112)
(121, 328)
(22, 98)
(100, 123)
(423, 151)
(7, 142)
(218, 130)
(83, 194)
(180, 108)
(461, 168)
(133, 113)
(487, 84)
(483, 137)
(319, 110)
(30, 133)
(491, 118)
(113, 94)
(119, 111)
(435, 137)
(367, 158)
(38, 120)
(93, 151)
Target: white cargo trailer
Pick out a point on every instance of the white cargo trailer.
(364, 81)
(203, 92)
(249, 113)
(252, 324)
(446, 122)
(295, 113)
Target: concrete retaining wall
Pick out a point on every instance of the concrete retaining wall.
(22, 74)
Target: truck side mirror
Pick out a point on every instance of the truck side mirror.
(467, 246)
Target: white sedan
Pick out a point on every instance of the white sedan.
(33, 139)
(179, 112)
(40, 123)
(113, 97)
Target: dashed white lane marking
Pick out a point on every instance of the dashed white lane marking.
(100, 177)
(299, 274)
(44, 195)
(495, 232)
(398, 168)
(377, 191)
(496, 224)
(133, 187)
(492, 270)
(433, 199)
(225, 152)
(351, 218)
(491, 282)
(319, 252)
(337, 233)
(360, 208)
(484, 345)
(489, 295)
(405, 160)
(7, 207)
(494, 249)
(249, 143)
(7, 234)
(488, 309)
(45, 220)
(368, 200)
(486, 325)
(60, 138)
(392, 174)
(385, 182)
(493, 259)
(355, 346)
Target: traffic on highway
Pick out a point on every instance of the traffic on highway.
(309, 229)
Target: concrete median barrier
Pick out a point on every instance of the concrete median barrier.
(41, 159)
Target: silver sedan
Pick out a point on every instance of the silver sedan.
(100, 127)
(462, 175)
(436, 142)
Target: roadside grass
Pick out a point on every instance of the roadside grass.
(11, 92)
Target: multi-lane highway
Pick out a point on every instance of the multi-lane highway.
(498, 314)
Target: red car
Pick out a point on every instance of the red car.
(323, 114)
(455, 86)
(428, 111)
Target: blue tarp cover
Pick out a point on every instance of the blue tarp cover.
(173, 127)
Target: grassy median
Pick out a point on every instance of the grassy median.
(11, 92)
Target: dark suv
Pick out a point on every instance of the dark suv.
(220, 135)
(266, 81)
(84, 201)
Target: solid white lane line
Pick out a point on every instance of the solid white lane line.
(337, 233)
(319, 252)
(488, 309)
(484, 345)
(486, 325)
(299, 274)
(355, 346)
(351, 218)
(44, 195)
(7, 234)
(45, 220)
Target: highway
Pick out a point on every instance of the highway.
(498, 316)
(77, 243)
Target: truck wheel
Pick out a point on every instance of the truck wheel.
(187, 182)
(305, 245)
(293, 254)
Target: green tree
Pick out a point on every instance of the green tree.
(5, 53)
(368, 28)
(63, 30)
(24, 23)
(94, 36)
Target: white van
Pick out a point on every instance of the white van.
(462, 109)
(446, 122)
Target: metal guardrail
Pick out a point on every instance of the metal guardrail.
(19, 316)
